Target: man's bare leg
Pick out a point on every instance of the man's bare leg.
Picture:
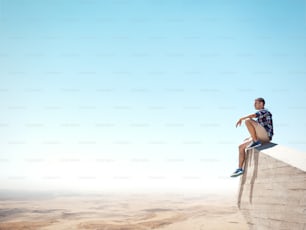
(250, 124)
(242, 148)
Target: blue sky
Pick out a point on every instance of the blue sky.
(144, 94)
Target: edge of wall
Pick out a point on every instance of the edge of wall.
(272, 192)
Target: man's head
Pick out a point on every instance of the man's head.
(259, 103)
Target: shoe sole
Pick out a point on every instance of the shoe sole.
(254, 146)
(236, 175)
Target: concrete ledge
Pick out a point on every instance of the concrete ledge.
(272, 193)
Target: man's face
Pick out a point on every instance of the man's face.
(258, 105)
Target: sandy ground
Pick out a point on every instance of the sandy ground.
(134, 211)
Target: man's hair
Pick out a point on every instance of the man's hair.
(260, 99)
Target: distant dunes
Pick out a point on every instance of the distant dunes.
(121, 212)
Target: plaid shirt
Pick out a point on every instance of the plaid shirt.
(264, 118)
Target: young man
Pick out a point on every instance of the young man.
(261, 131)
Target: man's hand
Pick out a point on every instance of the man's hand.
(246, 117)
(238, 122)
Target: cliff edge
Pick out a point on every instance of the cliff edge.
(272, 193)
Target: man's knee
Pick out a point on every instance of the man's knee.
(242, 146)
(248, 121)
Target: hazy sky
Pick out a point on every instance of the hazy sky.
(144, 94)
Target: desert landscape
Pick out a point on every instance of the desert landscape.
(119, 211)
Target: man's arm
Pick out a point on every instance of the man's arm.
(246, 117)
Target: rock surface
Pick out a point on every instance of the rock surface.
(272, 193)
